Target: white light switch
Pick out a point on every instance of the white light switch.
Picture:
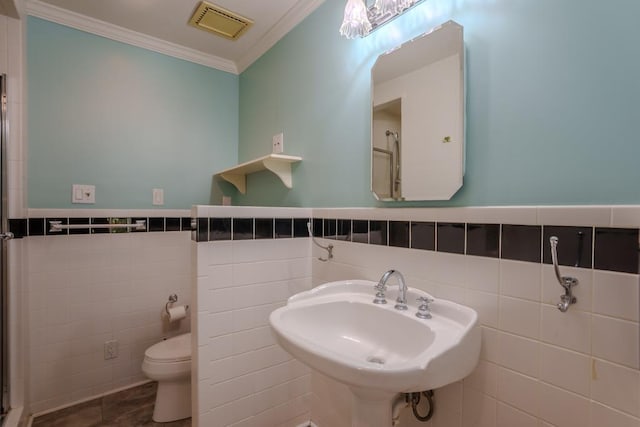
(158, 196)
(83, 194)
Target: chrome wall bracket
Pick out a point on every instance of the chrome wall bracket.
(567, 282)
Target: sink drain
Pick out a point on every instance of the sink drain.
(373, 359)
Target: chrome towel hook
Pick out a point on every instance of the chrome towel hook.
(328, 248)
(566, 282)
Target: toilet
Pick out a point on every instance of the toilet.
(169, 363)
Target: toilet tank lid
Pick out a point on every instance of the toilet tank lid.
(173, 349)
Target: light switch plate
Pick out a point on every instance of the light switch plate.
(81, 193)
(158, 196)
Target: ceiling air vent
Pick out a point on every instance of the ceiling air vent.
(217, 20)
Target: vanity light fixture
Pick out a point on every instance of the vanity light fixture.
(360, 20)
(356, 22)
(386, 6)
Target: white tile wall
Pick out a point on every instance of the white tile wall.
(535, 363)
(539, 367)
(86, 289)
(18, 324)
(243, 377)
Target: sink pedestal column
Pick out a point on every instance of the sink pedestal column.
(371, 408)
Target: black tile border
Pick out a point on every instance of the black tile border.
(526, 243)
(360, 231)
(300, 227)
(35, 227)
(423, 235)
(156, 224)
(18, 227)
(80, 221)
(38, 226)
(218, 229)
(483, 240)
(450, 237)
(574, 245)
(283, 228)
(600, 248)
(399, 234)
(262, 228)
(616, 249)
(521, 242)
(379, 232)
(242, 229)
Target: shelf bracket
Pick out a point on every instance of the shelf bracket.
(239, 181)
(278, 164)
(281, 170)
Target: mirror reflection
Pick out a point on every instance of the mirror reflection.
(417, 132)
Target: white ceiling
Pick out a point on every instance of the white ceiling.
(167, 20)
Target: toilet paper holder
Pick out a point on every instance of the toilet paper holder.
(173, 298)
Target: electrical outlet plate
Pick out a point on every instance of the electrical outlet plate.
(110, 349)
(278, 143)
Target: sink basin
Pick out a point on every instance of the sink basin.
(376, 350)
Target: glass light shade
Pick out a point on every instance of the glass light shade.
(386, 6)
(404, 4)
(355, 22)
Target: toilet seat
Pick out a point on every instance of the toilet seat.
(172, 350)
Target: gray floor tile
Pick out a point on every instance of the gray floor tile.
(117, 404)
(128, 408)
(86, 414)
(140, 416)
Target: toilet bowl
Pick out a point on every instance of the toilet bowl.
(169, 363)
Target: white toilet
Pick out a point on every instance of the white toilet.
(169, 363)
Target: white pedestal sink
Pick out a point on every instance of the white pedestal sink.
(376, 350)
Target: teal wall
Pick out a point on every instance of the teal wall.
(124, 119)
(552, 112)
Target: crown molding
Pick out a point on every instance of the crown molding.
(293, 17)
(9, 8)
(85, 23)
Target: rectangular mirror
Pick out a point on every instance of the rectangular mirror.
(417, 130)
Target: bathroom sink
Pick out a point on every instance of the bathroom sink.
(374, 348)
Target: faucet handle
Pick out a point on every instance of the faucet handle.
(424, 311)
(380, 297)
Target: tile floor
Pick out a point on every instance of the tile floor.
(128, 408)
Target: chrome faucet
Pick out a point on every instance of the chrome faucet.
(401, 301)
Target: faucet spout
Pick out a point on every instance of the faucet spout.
(401, 301)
